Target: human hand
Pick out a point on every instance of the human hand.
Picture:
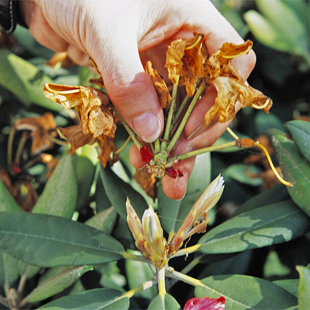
(119, 35)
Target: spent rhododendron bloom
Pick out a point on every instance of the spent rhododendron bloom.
(42, 130)
(205, 303)
(96, 117)
(185, 60)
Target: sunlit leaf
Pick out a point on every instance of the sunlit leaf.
(24, 80)
(60, 192)
(300, 131)
(304, 288)
(295, 169)
(271, 224)
(245, 292)
(118, 191)
(49, 241)
(290, 285)
(166, 302)
(55, 280)
(97, 299)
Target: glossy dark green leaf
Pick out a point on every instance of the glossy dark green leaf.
(105, 220)
(238, 172)
(245, 292)
(7, 202)
(300, 131)
(173, 212)
(295, 169)
(85, 161)
(138, 273)
(275, 223)
(97, 299)
(290, 285)
(24, 80)
(167, 302)
(269, 196)
(117, 191)
(304, 288)
(101, 198)
(50, 241)
(56, 280)
(60, 192)
(8, 271)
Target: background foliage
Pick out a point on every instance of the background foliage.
(66, 251)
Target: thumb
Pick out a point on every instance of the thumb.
(130, 88)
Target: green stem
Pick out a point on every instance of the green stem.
(179, 131)
(170, 115)
(161, 282)
(129, 130)
(186, 270)
(20, 147)
(4, 302)
(187, 251)
(201, 151)
(183, 105)
(157, 146)
(184, 278)
(138, 258)
(10, 146)
(146, 285)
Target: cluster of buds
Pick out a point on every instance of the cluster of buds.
(148, 234)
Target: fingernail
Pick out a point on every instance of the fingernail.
(147, 126)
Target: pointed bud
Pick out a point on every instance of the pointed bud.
(155, 241)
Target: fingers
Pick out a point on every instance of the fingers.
(173, 188)
(128, 86)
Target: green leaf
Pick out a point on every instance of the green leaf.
(104, 220)
(50, 241)
(8, 271)
(7, 202)
(244, 292)
(275, 223)
(118, 191)
(24, 80)
(290, 285)
(238, 172)
(138, 273)
(85, 161)
(304, 288)
(97, 299)
(166, 302)
(56, 280)
(173, 212)
(60, 192)
(295, 169)
(300, 131)
(279, 28)
(274, 194)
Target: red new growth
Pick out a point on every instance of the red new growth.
(146, 155)
(174, 172)
(205, 303)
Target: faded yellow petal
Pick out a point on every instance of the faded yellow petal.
(229, 92)
(147, 181)
(41, 128)
(76, 137)
(186, 58)
(101, 121)
(159, 84)
(107, 150)
(219, 62)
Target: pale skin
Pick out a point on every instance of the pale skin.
(120, 35)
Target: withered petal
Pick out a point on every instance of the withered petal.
(229, 92)
(159, 84)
